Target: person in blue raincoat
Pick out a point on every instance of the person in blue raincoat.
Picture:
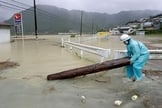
(138, 54)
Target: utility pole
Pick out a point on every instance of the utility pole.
(94, 68)
(92, 27)
(81, 23)
(35, 20)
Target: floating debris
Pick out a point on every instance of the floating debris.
(83, 99)
(118, 102)
(134, 97)
(7, 64)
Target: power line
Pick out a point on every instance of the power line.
(10, 4)
(16, 7)
(6, 6)
(47, 13)
(21, 3)
(40, 10)
(20, 6)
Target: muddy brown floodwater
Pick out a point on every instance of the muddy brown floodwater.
(25, 85)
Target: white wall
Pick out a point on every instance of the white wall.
(4, 35)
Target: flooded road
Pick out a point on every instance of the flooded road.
(25, 86)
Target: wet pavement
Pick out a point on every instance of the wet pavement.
(25, 86)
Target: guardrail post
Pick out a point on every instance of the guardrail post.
(81, 53)
(154, 54)
(68, 39)
(102, 59)
(62, 42)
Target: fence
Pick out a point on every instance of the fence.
(154, 54)
(103, 53)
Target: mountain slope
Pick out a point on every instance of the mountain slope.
(52, 20)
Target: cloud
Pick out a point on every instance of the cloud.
(104, 6)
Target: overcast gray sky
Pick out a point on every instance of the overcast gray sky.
(105, 6)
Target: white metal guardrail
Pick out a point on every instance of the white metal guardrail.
(154, 54)
(104, 53)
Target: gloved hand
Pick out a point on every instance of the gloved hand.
(131, 61)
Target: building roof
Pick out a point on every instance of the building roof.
(159, 15)
(136, 21)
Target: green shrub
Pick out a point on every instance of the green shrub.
(72, 36)
(153, 32)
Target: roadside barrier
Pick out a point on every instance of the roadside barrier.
(103, 53)
(154, 54)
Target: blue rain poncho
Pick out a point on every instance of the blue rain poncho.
(139, 56)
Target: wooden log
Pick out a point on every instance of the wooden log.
(107, 65)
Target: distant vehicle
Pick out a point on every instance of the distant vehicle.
(127, 30)
(115, 31)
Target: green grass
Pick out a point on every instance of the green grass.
(159, 32)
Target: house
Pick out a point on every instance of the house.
(153, 23)
(5, 34)
(121, 30)
(126, 29)
(157, 21)
(134, 24)
(115, 31)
